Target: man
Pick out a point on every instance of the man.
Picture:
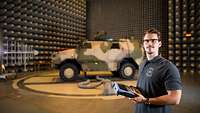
(159, 82)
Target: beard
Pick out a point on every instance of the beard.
(149, 50)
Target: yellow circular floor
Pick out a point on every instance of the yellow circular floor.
(49, 84)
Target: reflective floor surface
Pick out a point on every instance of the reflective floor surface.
(18, 100)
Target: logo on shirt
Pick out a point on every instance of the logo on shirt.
(149, 72)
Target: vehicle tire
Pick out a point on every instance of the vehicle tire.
(69, 72)
(127, 70)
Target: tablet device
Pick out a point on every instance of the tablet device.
(124, 90)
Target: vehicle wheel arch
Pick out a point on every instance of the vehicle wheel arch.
(72, 61)
(131, 60)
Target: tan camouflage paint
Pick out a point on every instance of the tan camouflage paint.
(101, 57)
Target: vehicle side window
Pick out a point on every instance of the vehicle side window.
(115, 46)
(87, 45)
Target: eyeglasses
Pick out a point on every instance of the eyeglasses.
(152, 40)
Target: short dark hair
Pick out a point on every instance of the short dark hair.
(153, 31)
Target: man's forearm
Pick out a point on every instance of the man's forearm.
(172, 98)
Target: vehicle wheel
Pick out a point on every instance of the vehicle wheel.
(69, 72)
(127, 71)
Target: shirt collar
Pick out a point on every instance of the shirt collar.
(155, 59)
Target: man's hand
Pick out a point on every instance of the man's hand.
(138, 99)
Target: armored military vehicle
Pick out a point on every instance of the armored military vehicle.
(99, 57)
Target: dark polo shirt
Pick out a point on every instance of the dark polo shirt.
(156, 77)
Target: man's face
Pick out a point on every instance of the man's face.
(151, 43)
